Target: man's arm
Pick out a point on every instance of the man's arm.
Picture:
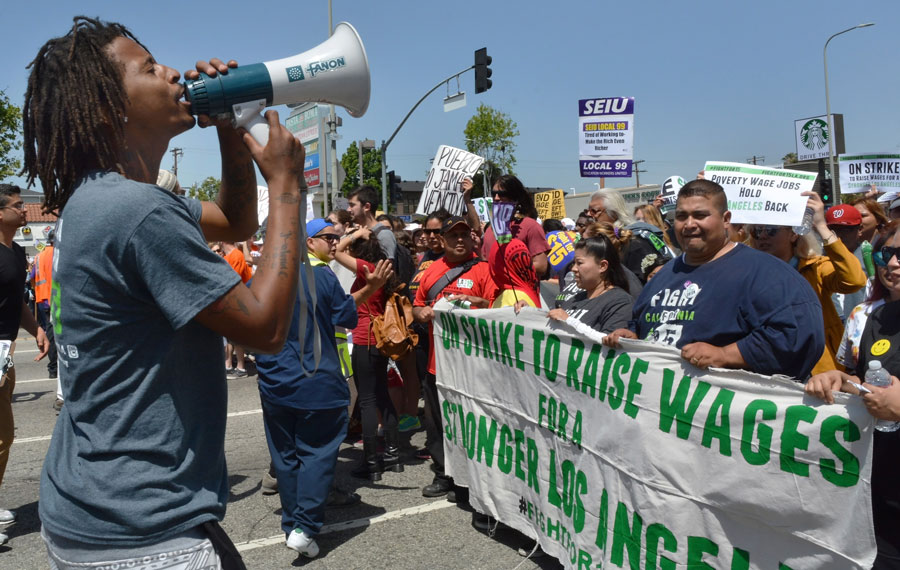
(705, 355)
(30, 325)
(471, 215)
(259, 316)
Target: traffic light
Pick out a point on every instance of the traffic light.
(394, 187)
(825, 191)
(482, 71)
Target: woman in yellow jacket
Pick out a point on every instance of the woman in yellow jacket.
(837, 271)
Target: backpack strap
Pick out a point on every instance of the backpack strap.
(448, 278)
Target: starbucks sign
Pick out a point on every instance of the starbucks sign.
(812, 137)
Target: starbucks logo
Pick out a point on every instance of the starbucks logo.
(814, 134)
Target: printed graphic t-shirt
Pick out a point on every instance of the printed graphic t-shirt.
(745, 296)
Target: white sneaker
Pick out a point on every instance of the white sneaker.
(7, 517)
(3, 538)
(303, 544)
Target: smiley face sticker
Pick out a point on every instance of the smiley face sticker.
(880, 347)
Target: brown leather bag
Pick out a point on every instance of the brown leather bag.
(393, 336)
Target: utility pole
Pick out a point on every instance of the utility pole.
(637, 173)
(176, 152)
(754, 158)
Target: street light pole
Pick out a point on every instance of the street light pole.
(828, 102)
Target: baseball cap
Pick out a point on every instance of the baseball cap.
(843, 215)
(452, 221)
(568, 223)
(316, 225)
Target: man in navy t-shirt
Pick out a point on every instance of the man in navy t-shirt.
(726, 305)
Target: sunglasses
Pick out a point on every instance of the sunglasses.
(429, 232)
(767, 230)
(330, 238)
(217, 250)
(884, 255)
(596, 212)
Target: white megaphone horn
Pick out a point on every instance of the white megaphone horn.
(336, 71)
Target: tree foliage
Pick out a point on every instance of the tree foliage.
(10, 139)
(371, 168)
(789, 158)
(207, 191)
(490, 134)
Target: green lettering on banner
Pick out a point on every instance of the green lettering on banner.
(655, 532)
(469, 435)
(495, 341)
(675, 407)
(551, 357)
(626, 537)
(576, 352)
(537, 336)
(486, 439)
(520, 455)
(617, 390)
(520, 330)
(505, 452)
(485, 339)
(589, 379)
(764, 434)
(467, 343)
(448, 420)
(604, 380)
(505, 355)
(533, 466)
(445, 329)
(473, 324)
(635, 387)
(602, 521)
(849, 473)
(720, 430)
(740, 560)
(783, 566)
(791, 439)
(697, 547)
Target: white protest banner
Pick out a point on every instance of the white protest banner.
(483, 208)
(760, 195)
(860, 171)
(669, 193)
(632, 458)
(550, 205)
(442, 186)
(606, 136)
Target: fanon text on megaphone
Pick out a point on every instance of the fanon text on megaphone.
(336, 71)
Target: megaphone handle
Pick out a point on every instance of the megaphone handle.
(248, 115)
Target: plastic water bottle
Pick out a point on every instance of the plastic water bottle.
(878, 376)
(867, 258)
(806, 224)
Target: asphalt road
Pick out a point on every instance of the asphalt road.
(393, 527)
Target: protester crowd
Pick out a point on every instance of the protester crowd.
(341, 332)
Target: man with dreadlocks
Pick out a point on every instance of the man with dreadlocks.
(135, 474)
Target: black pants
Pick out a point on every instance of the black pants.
(370, 375)
(44, 320)
(434, 431)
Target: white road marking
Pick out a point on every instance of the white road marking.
(347, 525)
(18, 382)
(47, 437)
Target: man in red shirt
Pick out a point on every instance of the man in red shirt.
(235, 258)
(460, 275)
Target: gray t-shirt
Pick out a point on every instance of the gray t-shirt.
(137, 455)
(606, 313)
(387, 239)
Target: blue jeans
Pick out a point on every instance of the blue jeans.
(304, 446)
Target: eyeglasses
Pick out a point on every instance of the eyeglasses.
(767, 230)
(596, 212)
(884, 255)
(20, 207)
(330, 238)
(217, 250)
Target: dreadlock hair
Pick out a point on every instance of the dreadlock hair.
(74, 112)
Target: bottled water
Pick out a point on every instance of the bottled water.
(806, 224)
(878, 376)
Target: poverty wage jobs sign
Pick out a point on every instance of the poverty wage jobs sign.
(551, 205)
(859, 172)
(606, 136)
(443, 186)
(759, 195)
(634, 459)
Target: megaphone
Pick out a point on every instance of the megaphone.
(336, 71)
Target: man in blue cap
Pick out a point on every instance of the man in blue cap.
(305, 395)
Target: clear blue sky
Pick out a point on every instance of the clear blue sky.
(712, 80)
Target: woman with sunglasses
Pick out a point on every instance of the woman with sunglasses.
(879, 341)
(837, 271)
